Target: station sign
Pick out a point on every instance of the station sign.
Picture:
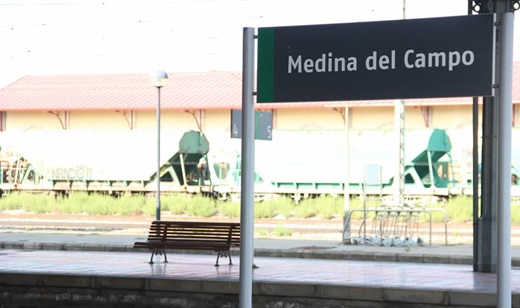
(415, 58)
(263, 124)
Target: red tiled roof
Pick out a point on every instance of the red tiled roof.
(204, 90)
(211, 90)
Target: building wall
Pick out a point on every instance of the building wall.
(308, 119)
(217, 120)
(384, 118)
(449, 117)
(102, 120)
(452, 117)
(170, 119)
(26, 121)
(372, 118)
(106, 120)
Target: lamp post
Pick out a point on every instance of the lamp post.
(158, 79)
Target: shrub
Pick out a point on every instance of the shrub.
(201, 207)
(175, 204)
(458, 209)
(9, 203)
(515, 214)
(35, 204)
(229, 209)
(330, 207)
(18, 201)
(150, 207)
(265, 209)
(63, 206)
(284, 206)
(307, 208)
(130, 205)
(261, 231)
(355, 204)
(281, 230)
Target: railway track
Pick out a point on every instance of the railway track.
(300, 228)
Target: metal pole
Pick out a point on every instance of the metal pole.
(248, 163)
(346, 217)
(486, 257)
(475, 183)
(158, 206)
(504, 158)
(399, 114)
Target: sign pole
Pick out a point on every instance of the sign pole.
(248, 163)
(346, 189)
(504, 157)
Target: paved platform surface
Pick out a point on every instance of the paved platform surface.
(438, 274)
(265, 247)
(434, 284)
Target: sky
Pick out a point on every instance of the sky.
(138, 36)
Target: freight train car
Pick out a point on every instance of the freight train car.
(294, 163)
(111, 162)
(302, 164)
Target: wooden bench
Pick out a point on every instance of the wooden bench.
(192, 235)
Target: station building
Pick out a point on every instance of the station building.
(203, 101)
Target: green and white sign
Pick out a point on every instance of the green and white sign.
(421, 58)
(263, 124)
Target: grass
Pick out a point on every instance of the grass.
(179, 204)
(330, 207)
(266, 209)
(27, 202)
(285, 207)
(307, 208)
(261, 231)
(200, 206)
(229, 209)
(175, 204)
(281, 230)
(515, 214)
(458, 209)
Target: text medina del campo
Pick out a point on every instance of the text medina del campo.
(329, 63)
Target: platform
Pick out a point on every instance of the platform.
(65, 278)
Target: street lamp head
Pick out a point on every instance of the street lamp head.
(159, 78)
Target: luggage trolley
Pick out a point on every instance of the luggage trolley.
(413, 237)
(393, 227)
(407, 227)
(373, 182)
(378, 226)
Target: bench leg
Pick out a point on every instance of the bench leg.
(165, 257)
(218, 256)
(223, 253)
(229, 256)
(159, 251)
